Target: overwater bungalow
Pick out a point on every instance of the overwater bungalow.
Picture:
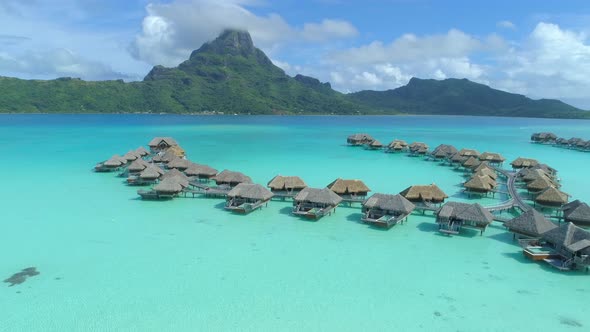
(314, 203)
(551, 197)
(286, 185)
(572, 245)
(443, 151)
(111, 165)
(418, 148)
(231, 178)
(529, 175)
(137, 166)
(179, 164)
(174, 173)
(492, 158)
(453, 216)
(149, 175)
(572, 142)
(165, 157)
(158, 144)
(359, 139)
(483, 165)
(543, 137)
(457, 159)
(141, 151)
(131, 156)
(520, 163)
(577, 213)
(247, 197)
(396, 146)
(471, 163)
(485, 171)
(429, 194)
(546, 168)
(469, 153)
(383, 210)
(349, 189)
(374, 145)
(165, 189)
(201, 172)
(480, 185)
(540, 184)
(531, 224)
(581, 145)
(561, 141)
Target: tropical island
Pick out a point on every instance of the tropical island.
(229, 75)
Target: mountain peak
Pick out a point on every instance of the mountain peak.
(230, 41)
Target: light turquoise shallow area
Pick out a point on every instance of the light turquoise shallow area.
(109, 261)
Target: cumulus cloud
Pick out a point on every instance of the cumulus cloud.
(171, 31)
(506, 25)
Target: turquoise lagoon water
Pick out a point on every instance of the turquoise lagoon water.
(109, 261)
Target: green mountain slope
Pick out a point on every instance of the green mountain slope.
(227, 75)
(230, 75)
(462, 97)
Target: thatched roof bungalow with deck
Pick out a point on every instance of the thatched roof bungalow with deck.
(141, 151)
(577, 212)
(359, 139)
(384, 210)
(202, 172)
(158, 144)
(375, 145)
(110, 165)
(231, 178)
(314, 203)
(480, 185)
(349, 188)
(453, 216)
(396, 146)
(443, 151)
(180, 164)
(286, 184)
(544, 137)
(424, 193)
(572, 243)
(247, 197)
(137, 166)
(551, 198)
(492, 157)
(520, 162)
(418, 148)
(131, 156)
(540, 184)
(469, 152)
(530, 224)
(471, 162)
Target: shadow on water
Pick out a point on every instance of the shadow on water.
(355, 218)
(504, 238)
(286, 211)
(428, 227)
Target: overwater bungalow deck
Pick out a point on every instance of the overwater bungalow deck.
(453, 216)
(383, 210)
(247, 197)
(315, 203)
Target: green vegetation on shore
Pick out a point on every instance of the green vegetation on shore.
(231, 76)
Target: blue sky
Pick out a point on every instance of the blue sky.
(537, 48)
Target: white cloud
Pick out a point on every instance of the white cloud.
(506, 25)
(171, 31)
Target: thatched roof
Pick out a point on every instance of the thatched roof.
(561, 141)
(469, 152)
(523, 162)
(397, 144)
(250, 191)
(174, 173)
(487, 172)
(424, 193)
(318, 196)
(179, 163)
(200, 170)
(570, 236)
(581, 143)
(444, 151)
(177, 150)
(166, 157)
(577, 212)
(543, 136)
(115, 161)
(227, 176)
(548, 169)
(280, 182)
(361, 137)
(458, 158)
(480, 183)
(471, 162)
(387, 202)
(415, 146)
(151, 173)
(138, 165)
(467, 212)
(573, 140)
(552, 196)
(532, 174)
(131, 155)
(156, 141)
(376, 144)
(540, 184)
(531, 223)
(491, 157)
(142, 151)
(341, 186)
(168, 186)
